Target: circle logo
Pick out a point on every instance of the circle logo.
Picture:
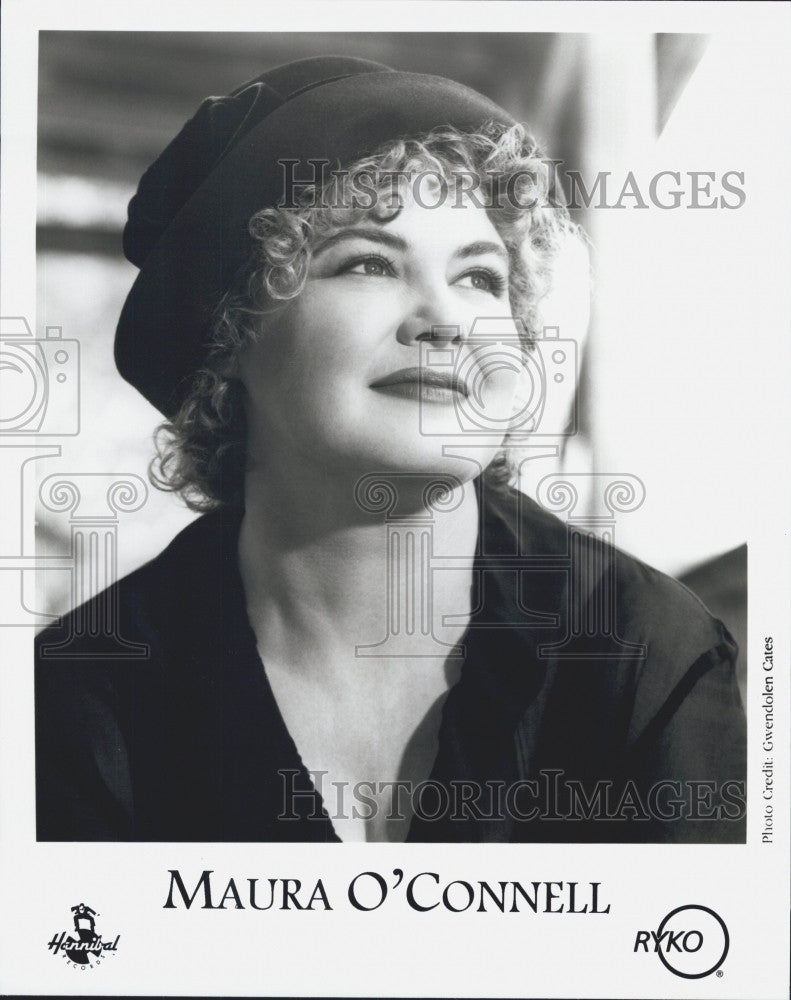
(695, 941)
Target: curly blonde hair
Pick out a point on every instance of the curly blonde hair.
(201, 452)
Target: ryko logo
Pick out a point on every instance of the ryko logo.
(692, 941)
(84, 948)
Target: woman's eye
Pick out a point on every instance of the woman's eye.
(484, 281)
(374, 267)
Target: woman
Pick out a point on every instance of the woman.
(369, 635)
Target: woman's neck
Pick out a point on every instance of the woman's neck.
(331, 563)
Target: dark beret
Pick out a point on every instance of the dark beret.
(187, 228)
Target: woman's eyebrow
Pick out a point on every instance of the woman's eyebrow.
(482, 247)
(374, 235)
(381, 236)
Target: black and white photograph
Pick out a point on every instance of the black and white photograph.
(342, 269)
(395, 466)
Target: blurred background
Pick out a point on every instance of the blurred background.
(662, 374)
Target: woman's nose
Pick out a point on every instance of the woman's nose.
(433, 315)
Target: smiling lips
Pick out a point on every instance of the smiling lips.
(422, 384)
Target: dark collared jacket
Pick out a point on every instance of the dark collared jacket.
(597, 702)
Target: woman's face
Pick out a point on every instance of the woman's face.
(371, 368)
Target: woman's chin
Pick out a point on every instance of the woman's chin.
(429, 457)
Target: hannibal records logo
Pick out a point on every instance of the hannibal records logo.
(85, 948)
(692, 942)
